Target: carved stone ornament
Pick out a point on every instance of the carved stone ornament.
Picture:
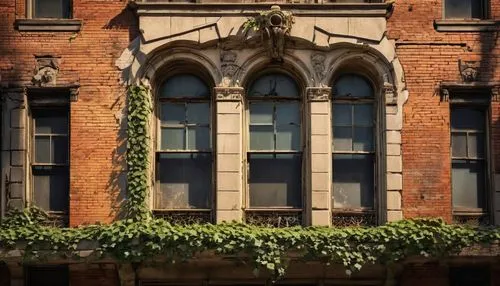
(495, 93)
(228, 63)
(318, 93)
(390, 95)
(229, 93)
(46, 70)
(468, 70)
(445, 94)
(318, 63)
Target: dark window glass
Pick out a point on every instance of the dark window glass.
(50, 159)
(51, 9)
(275, 180)
(468, 147)
(464, 9)
(470, 276)
(47, 276)
(352, 86)
(185, 181)
(274, 85)
(353, 181)
(184, 85)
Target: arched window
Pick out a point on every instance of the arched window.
(184, 146)
(354, 156)
(274, 148)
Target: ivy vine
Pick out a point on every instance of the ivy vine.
(138, 153)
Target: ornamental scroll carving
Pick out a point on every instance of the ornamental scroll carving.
(229, 93)
(46, 70)
(318, 93)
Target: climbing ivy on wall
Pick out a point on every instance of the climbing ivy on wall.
(138, 153)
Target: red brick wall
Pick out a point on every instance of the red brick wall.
(429, 57)
(96, 145)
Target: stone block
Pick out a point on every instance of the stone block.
(320, 144)
(372, 28)
(229, 216)
(393, 122)
(320, 107)
(15, 204)
(320, 124)
(16, 175)
(17, 158)
(394, 215)
(16, 191)
(320, 181)
(391, 109)
(228, 181)
(393, 200)
(321, 218)
(228, 163)
(228, 123)
(320, 200)
(393, 137)
(228, 200)
(17, 139)
(18, 118)
(304, 30)
(394, 164)
(320, 163)
(393, 149)
(394, 181)
(228, 143)
(228, 107)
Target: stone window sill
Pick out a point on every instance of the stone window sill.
(466, 25)
(48, 25)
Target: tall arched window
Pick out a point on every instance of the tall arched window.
(274, 150)
(354, 122)
(184, 146)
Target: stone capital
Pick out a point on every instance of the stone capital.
(318, 93)
(229, 93)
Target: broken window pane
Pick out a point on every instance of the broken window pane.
(261, 137)
(173, 139)
(261, 113)
(198, 138)
(459, 145)
(353, 185)
(342, 138)
(185, 181)
(342, 114)
(275, 180)
(274, 85)
(352, 86)
(51, 9)
(184, 85)
(173, 113)
(51, 188)
(198, 113)
(468, 184)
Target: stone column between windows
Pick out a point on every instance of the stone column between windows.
(229, 135)
(320, 154)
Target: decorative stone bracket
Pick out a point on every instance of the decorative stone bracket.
(229, 93)
(469, 91)
(318, 93)
(390, 94)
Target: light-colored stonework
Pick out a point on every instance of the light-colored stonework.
(319, 46)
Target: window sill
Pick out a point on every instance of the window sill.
(466, 25)
(48, 25)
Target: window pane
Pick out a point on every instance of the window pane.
(458, 8)
(51, 188)
(363, 139)
(51, 9)
(288, 137)
(50, 122)
(478, 10)
(352, 86)
(459, 144)
(342, 114)
(198, 138)
(273, 85)
(261, 113)
(363, 114)
(261, 137)
(287, 113)
(275, 180)
(173, 139)
(476, 145)
(185, 181)
(353, 181)
(42, 149)
(198, 113)
(60, 149)
(172, 113)
(468, 184)
(184, 85)
(462, 118)
(342, 139)
(470, 275)
(47, 276)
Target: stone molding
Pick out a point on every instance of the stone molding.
(466, 25)
(48, 25)
(229, 93)
(318, 93)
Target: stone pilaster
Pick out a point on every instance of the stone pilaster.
(320, 154)
(229, 140)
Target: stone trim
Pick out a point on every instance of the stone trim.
(318, 93)
(466, 25)
(229, 93)
(48, 25)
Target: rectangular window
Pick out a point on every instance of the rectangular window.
(47, 275)
(58, 9)
(50, 162)
(469, 164)
(466, 276)
(465, 9)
